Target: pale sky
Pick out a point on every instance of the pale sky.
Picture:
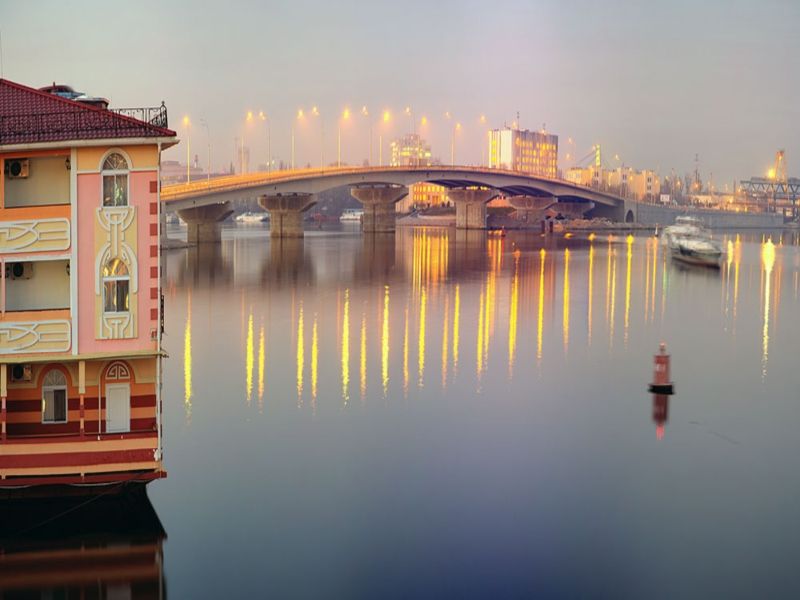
(653, 81)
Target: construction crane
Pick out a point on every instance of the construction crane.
(778, 172)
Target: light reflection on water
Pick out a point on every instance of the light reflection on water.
(500, 385)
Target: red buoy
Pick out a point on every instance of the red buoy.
(661, 381)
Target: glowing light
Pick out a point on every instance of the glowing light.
(565, 308)
(314, 363)
(300, 113)
(456, 327)
(249, 115)
(187, 359)
(385, 342)
(346, 114)
(423, 303)
(346, 348)
(512, 317)
(249, 358)
(423, 121)
(363, 362)
(590, 294)
(479, 349)
(261, 366)
(592, 237)
(445, 340)
(483, 119)
(386, 116)
(186, 121)
(408, 110)
(629, 242)
(405, 355)
(262, 116)
(301, 355)
(364, 111)
(315, 111)
(767, 262)
(540, 307)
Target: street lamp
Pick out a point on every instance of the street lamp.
(315, 112)
(298, 118)
(187, 123)
(456, 127)
(365, 113)
(263, 117)
(387, 116)
(208, 163)
(345, 117)
(482, 121)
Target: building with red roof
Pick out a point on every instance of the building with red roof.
(80, 293)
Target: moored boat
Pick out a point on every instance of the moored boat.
(697, 251)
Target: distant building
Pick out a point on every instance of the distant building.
(422, 195)
(625, 181)
(532, 152)
(173, 171)
(410, 150)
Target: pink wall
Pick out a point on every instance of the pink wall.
(89, 199)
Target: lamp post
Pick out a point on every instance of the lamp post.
(263, 117)
(299, 117)
(204, 123)
(387, 116)
(315, 112)
(345, 117)
(456, 128)
(365, 112)
(187, 123)
(410, 114)
(482, 121)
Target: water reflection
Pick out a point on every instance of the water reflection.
(660, 413)
(69, 548)
(436, 298)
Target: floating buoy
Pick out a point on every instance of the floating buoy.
(661, 382)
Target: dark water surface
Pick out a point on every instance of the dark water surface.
(435, 413)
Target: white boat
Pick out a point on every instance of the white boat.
(685, 226)
(697, 250)
(251, 217)
(351, 214)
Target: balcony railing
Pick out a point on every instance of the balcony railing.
(79, 124)
(153, 115)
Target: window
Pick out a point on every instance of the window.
(54, 397)
(116, 283)
(115, 180)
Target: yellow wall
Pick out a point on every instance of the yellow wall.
(142, 157)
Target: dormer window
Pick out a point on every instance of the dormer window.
(115, 180)
(116, 287)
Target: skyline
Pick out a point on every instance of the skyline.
(654, 86)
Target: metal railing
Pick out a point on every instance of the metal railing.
(63, 125)
(154, 115)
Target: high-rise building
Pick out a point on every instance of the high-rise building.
(410, 150)
(81, 322)
(532, 152)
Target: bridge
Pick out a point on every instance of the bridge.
(204, 204)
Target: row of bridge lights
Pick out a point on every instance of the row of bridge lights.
(345, 116)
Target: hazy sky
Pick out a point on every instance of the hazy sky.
(653, 81)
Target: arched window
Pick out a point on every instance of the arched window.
(116, 286)
(54, 397)
(115, 180)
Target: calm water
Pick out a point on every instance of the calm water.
(439, 414)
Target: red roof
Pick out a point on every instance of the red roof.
(28, 115)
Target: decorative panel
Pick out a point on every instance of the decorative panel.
(39, 235)
(40, 336)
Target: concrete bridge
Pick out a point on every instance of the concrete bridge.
(204, 204)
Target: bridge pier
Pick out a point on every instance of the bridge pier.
(470, 207)
(378, 203)
(204, 223)
(532, 208)
(286, 213)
